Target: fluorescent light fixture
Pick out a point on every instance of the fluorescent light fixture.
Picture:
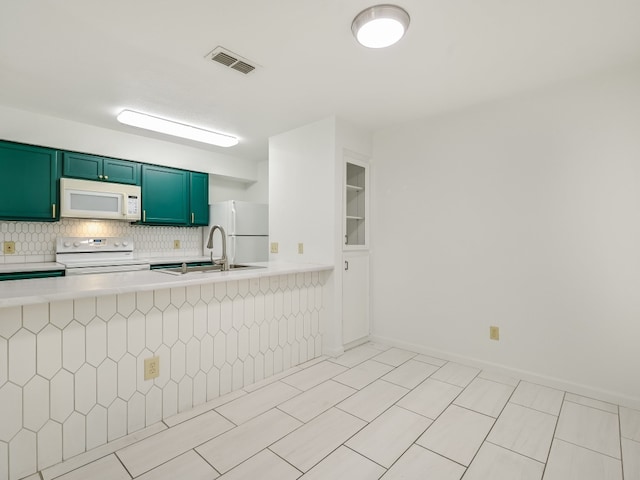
(157, 124)
(380, 26)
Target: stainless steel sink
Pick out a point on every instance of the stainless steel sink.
(206, 269)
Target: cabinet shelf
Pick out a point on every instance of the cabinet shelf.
(355, 204)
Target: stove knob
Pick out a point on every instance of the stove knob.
(116, 244)
(76, 244)
(125, 243)
(67, 244)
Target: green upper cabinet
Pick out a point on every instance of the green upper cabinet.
(165, 196)
(28, 183)
(92, 167)
(199, 199)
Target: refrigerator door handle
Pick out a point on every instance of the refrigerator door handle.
(233, 218)
(233, 252)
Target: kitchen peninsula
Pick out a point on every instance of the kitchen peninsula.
(76, 347)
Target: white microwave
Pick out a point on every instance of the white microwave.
(100, 200)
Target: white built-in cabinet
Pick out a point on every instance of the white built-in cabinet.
(356, 196)
(355, 274)
(355, 297)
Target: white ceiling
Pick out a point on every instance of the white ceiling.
(85, 60)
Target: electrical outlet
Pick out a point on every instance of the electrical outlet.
(301, 248)
(176, 244)
(494, 333)
(9, 248)
(151, 368)
(274, 247)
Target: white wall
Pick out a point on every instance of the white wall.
(223, 188)
(523, 214)
(302, 178)
(28, 127)
(305, 204)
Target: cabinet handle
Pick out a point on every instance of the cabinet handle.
(53, 210)
(346, 240)
(193, 217)
(144, 215)
(106, 177)
(100, 177)
(346, 265)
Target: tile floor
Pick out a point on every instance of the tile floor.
(379, 412)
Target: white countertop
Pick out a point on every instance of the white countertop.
(42, 290)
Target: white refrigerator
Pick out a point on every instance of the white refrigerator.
(247, 227)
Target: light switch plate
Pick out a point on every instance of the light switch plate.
(176, 244)
(494, 333)
(301, 248)
(274, 247)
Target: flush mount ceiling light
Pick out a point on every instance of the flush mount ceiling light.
(380, 26)
(161, 125)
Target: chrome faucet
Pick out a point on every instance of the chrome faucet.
(222, 261)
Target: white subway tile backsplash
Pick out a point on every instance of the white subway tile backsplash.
(22, 357)
(49, 445)
(144, 301)
(96, 427)
(116, 337)
(136, 417)
(62, 394)
(35, 241)
(22, 454)
(126, 376)
(49, 351)
(11, 401)
(107, 382)
(73, 435)
(153, 329)
(135, 333)
(106, 307)
(35, 397)
(185, 394)
(96, 341)
(84, 309)
(116, 419)
(85, 389)
(35, 317)
(74, 379)
(73, 346)
(126, 303)
(3, 365)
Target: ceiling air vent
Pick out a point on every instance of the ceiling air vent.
(231, 60)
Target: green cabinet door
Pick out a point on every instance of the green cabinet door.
(199, 198)
(165, 196)
(93, 167)
(80, 165)
(28, 183)
(121, 171)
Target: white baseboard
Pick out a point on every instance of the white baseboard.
(553, 382)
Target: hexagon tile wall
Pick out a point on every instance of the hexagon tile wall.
(36, 241)
(74, 379)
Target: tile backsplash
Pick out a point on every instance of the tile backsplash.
(36, 241)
